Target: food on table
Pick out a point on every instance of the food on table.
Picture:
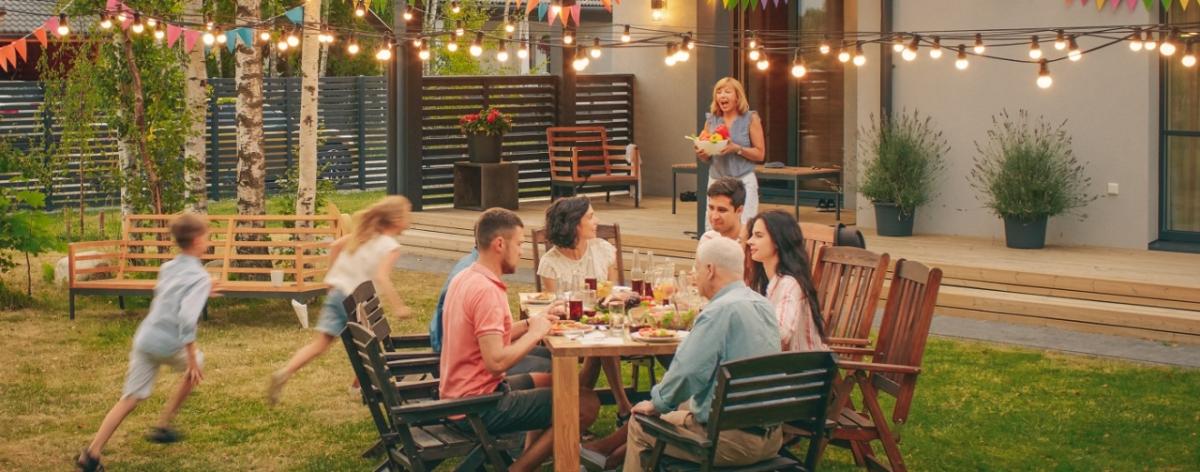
(600, 319)
(542, 297)
(656, 333)
(567, 326)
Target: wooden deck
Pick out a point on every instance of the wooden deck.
(1148, 294)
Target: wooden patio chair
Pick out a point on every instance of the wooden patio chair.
(791, 387)
(894, 367)
(373, 312)
(581, 156)
(419, 436)
(817, 236)
(849, 281)
(610, 233)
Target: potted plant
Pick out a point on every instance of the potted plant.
(1025, 172)
(484, 131)
(902, 156)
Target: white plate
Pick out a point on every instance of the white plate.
(679, 335)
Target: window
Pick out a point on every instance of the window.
(1179, 143)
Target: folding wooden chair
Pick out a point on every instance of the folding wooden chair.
(849, 281)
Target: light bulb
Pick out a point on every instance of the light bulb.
(979, 47)
(424, 53)
(502, 55)
(509, 27)
(1149, 44)
(408, 13)
(264, 35)
(687, 42)
(1189, 58)
(595, 51)
(898, 43)
(581, 61)
(1044, 80)
(843, 56)
(452, 46)
(476, 50)
(859, 57)
(384, 53)
(910, 52)
(293, 40)
(753, 54)
(360, 9)
(352, 48)
(568, 37)
(625, 36)
(961, 62)
(221, 38)
(458, 29)
(1135, 40)
(138, 27)
(455, 7)
(151, 22)
(417, 41)
(63, 28)
(121, 17)
(1167, 48)
(670, 59)
(523, 51)
(798, 69)
(682, 55)
(1060, 41)
(657, 10)
(824, 48)
(282, 45)
(1035, 49)
(208, 38)
(935, 52)
(159, 34)
(763, 64)
(556, 7)
(105, 22)
(1074, 54)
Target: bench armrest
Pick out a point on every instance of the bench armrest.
(849, 341)
(406, 341)
(419, 365)
(878, 368)
(671, 433)
(438, 409)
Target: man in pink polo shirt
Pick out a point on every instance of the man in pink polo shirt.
(480, 342)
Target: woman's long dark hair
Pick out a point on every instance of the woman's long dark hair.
(793, 260)
(562, 220)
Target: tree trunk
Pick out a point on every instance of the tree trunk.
(195, 95)
(139, 122)
(306, 195)
(125, 163)
(251, 163)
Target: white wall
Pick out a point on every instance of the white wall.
(1109, 99)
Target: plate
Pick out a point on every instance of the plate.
(678, 335)
(569, 328)
(542, 298)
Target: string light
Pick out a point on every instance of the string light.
(523, 50)
(1168, 44)
(843, 55)
(753, 54)
(897, 43)
(352, 46)
(753, 42)
(208, 38)
(105, 22)
(423, 52)
(408, 13)
(1189, 57)
(360, 9)
(568, 37)
(555, 8)
(979, 48)
(417, 42)
(763, 63)
(581, 60)
(159, 34)
(509, 27)
(1135, 40)
(687, 41)
(264, 35)
(682, 54)
(459, 31)
(502, 52)
(121, 17)
(138, 27)
(824, 47)
(328, 38)
(221, 38)
(626, 37)
(961, 62)
(1035, 49)
(798, 68)
(282, 45)
(1149, 44)
(452, 46)
(1044, 80)
(455, 7)
(1060, 41)
(910, 52)
(595, 51)
(1073, 52)
(63, 28)
(658, 10)
(670, 59)
(935, 52)
(151, 22)
(385, 52)
(859, 57)
(477, 45)
(292, 39)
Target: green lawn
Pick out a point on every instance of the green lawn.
(978, 406)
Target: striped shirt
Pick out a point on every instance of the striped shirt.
(797, 330)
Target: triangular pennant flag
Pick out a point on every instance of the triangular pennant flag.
(296, 15)
(19, 47)
(1184, 4)
(1132, 4)
(1149, 4)
(542, 9)
(3, 66)
(40, 34)
(52, 25)
(1167, 4)
(172, 35)
(1084, 2)
(189, 39)
(575, 11)
(10, 57)
(530, 6)
(606, 3)
(111, 5)
(231, 40)
(247, 36)
(1099, 4)
(551, 15)
(127, 23)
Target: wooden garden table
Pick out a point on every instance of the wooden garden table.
(565, 355)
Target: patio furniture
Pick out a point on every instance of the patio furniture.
(419, 436)
(479, 186)
(419, 364)
(581, 156)
(248, 251)
(817, 236)
(848, 281)
(893, 369)
(759, 392)
(788, 174)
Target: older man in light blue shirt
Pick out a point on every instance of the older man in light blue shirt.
(737, 323)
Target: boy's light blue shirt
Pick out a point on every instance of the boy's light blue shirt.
(737, 323)
(180, 293)
(435, 324)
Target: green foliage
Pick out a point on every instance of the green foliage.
(902, 157)
(284, 202)
(489, 121)
(24, 227)
(1026, 169)
(47, 273)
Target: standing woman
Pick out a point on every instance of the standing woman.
(731, 111)
(780, 271)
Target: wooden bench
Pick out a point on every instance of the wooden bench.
(581, 156)
(245, 251)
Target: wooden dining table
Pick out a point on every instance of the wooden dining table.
(565, 354)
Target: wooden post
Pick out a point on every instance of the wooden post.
(404, 109)
(560, 66)
(711, 65)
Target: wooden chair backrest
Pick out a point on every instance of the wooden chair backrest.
(849, 281)
(588, 141)
(905, 329)
(610, 233)
(366, 358)
(791, 387)
(817, 236)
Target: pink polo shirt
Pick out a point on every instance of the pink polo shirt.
(476, 304)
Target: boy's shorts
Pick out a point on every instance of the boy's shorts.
(143, 369)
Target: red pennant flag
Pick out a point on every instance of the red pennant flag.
(9, 56)
(189, 39)
(19, 47)
(40, 34)
(52, 25)
(172, 35)
(607, 5)
(529, 7)
(575, 12)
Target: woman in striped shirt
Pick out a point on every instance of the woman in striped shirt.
(781, 271)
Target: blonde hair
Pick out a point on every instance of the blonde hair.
(743, 104)
(391, 212)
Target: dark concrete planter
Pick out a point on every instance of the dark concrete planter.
(484, 148)
(1025, 234)
(890, 222)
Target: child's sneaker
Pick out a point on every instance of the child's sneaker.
(163, 435)
(275, 388)
(88, 463)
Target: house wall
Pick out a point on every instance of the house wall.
(1109, 101)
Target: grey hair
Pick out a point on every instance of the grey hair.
(723, 253)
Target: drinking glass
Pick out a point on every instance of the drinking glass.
(617, 317)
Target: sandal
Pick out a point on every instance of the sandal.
(88, 463)
(622, 419)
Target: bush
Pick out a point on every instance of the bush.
(902, 157)
(1026, 169)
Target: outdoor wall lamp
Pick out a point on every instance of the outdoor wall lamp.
(658, 10)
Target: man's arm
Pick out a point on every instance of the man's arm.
(498, 358)
(694, 365)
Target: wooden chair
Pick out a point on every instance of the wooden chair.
(581, 156)
(894, 367)
(791, 387)
(610, 233)
(418, 436)
(817, 236)
(366, 300)
(849, 281)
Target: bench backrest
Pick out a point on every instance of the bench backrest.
(577, 151)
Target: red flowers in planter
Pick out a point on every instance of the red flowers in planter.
(489, 121)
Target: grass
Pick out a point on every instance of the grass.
(978, 406)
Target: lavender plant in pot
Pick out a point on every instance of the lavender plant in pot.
(902, 156)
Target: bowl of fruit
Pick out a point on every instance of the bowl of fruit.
(713, 143)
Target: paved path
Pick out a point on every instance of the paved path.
(1075, 342)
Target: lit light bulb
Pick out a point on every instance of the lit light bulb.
(979, 47)
(658, 10)
(408, 13)
(417, 41)
(824, 47)
(935, 52)
(1135, 40)
(138, 27)
(961, 62)
(910, 52)
(293, 40)
(455, 7)
(159, 34)
(581, 61)
(1044, 80)
(352, 46)
(754, 54)
(509, 27)
(384, 53)
(63, 28)
(360, 9)
(151, 22)
(1060, 41)
(477, 45)
(1189, 57)
(502, 55)
(859, 57)
(798, 68)
(523, 51)
(1073, 53)
(282, 45)
(121, 17)
(763, 64)
(458, 29)
(208, 38)
(264, 35)
(423, 53)
(595, 51)
(670, 59)
(105, 22)
(898, 43)
(753, 42)
(625, 36)
(1035, 49)
(1149, 44)
(452, 46)
(1168, 44)
(568, 37)
(221, 38)
(687, 42)
(682, 54)
(843, 55)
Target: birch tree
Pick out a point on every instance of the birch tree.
(195, 95)
(251, 163)
(309, 54)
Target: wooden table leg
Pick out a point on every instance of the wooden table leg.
(565, 375)
(674, 188)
